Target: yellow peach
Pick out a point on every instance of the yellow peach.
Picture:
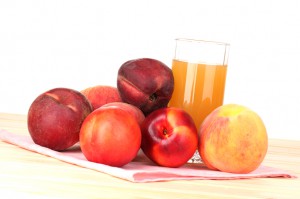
(233, 139)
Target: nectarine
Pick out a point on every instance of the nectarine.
(55, 117)
(169, 137)
(146, 83)
(111, 136)
(135, 111)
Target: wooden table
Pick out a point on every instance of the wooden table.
(25, 174)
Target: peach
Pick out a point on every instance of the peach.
(110, 136)
(145, 83)
(101, 94)
(169, 137)
(133, 110)
(233, 139)
(55, 118)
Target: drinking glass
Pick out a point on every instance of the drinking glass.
(199, 68)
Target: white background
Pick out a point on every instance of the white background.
(77, 44)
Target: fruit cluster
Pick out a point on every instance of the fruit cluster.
(113, 123)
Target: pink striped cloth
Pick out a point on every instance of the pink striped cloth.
(141, 169)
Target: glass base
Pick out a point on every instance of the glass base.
(196, 158)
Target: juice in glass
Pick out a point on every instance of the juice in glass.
(199, 88)
(199, 68)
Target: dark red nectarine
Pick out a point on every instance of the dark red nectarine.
(146, 83)
(55, 118)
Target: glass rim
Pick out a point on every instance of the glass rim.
(202, 41)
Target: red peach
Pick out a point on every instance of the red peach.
(101, 94)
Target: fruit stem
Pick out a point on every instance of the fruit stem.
(153, 97)
(165, 131)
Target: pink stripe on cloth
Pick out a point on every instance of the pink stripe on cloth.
(140, 169)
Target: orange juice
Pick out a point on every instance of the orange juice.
(198, 88)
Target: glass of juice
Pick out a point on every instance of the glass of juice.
(199, 68)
